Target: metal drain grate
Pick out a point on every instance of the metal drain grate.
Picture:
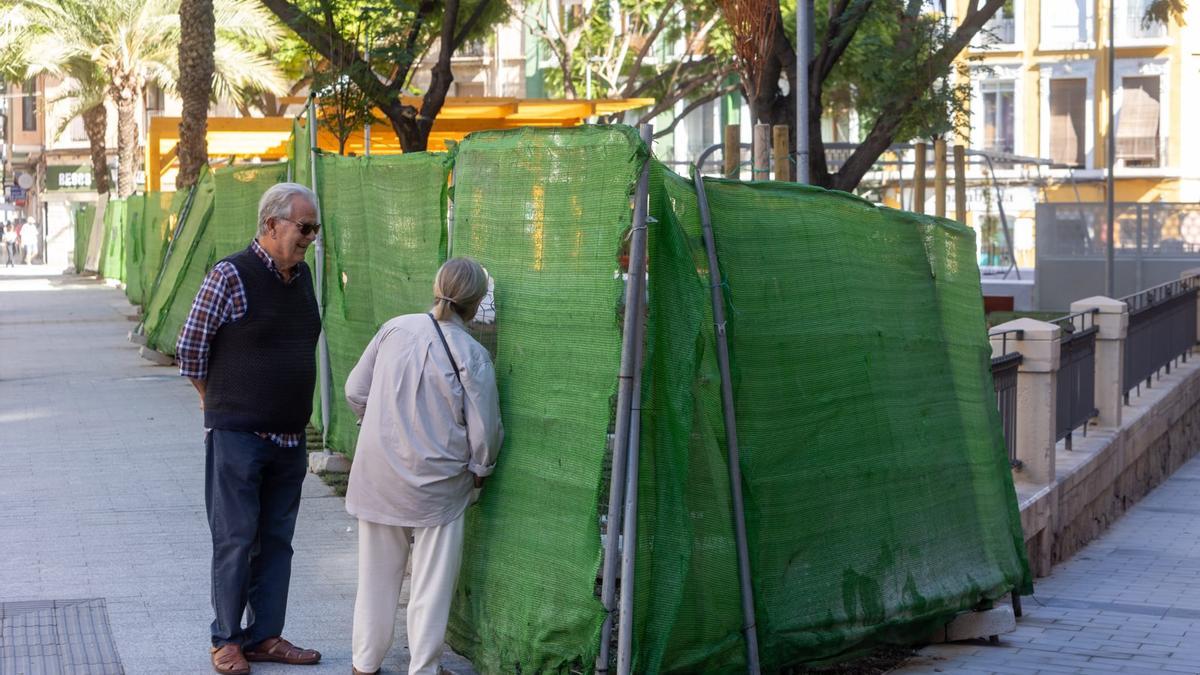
(52, 637)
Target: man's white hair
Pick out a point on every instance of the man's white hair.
(277, 202)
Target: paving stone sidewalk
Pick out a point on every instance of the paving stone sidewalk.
(102, 494)
(1127, 603)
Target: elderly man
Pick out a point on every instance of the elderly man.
(248, 347)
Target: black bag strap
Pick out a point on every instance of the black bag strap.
(445, 344)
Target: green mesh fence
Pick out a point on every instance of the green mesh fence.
(222, 220)
(112, 252)
(878, 497)
(545, 212)
(160, 211)
(135, 211)
(384, 219)
(84, 216)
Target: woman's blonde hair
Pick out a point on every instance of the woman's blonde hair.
(459, 286)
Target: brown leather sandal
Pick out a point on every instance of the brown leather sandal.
(278, 650)
(229, 660)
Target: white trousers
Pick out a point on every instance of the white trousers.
(383, 552)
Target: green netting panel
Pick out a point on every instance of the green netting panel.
(135, 250)
(545, 212)
(83, 232)
(878, 498)
(161, 211)
(230, 199)
(300, 155)
(688, 612)
(177, 273)
(384, 229)
(112, 251)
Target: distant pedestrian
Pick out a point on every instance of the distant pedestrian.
(248, 347)
(10, 245)
(425, 392)
(29, 241)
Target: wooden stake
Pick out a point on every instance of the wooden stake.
(783, 163)
(733, 150)
(918, 202)
(960, 183)
(762, 152)
(939, 178)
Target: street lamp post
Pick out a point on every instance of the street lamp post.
(1109, 199)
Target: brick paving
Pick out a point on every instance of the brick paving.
(1127, 603)
(102, 494)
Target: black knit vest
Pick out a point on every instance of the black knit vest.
(261, 368)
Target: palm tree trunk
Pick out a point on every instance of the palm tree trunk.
(197, 37)
(95, 124)
(126, 90)
(127, 145)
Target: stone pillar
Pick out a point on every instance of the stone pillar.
(1037, 387)
(1113, 322)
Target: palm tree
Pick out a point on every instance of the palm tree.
(133, 42)
(197, 38)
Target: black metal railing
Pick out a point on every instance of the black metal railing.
(1076, 395)
(1004, 377)
(1162, 329)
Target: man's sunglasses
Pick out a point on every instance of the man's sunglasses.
(305, 228)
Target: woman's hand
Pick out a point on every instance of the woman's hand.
(478, 481)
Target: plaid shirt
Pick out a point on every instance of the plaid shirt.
(220, 300)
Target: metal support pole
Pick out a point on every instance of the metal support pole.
(918, 200)
(804, 22)
(629, 534)
(630, 367)
(1110, 277)
(319, 277)
(749, 627)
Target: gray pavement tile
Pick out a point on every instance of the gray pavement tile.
(103, 490)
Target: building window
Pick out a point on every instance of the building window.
(1002, 27)
(29, 106)
(1068, 116)
(1137, 125)
(1066, 22)
(154, 98)
(997, 123)
(700, 128)
(76, 132)
(470, 89)
(1130, 25)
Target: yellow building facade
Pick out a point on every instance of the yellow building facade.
(1040, 88)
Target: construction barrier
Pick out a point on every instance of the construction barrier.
(878, 496)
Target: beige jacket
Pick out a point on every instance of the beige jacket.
(417, 453)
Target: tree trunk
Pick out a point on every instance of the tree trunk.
(197, 38)
(95, 124)
(126, 90)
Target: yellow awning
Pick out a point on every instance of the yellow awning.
(267, 137)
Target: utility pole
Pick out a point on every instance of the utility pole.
(804, 15)
(1109, 198)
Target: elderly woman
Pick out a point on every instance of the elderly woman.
(425, 392)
